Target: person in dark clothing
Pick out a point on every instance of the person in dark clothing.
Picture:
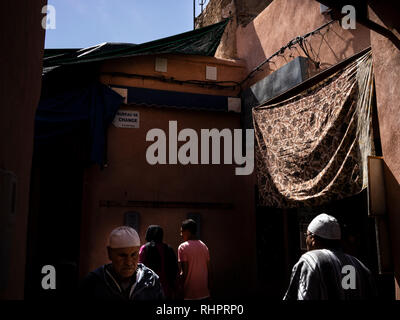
(160, 258)
(124, 278)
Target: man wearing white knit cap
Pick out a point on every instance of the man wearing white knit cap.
(124, 278)
(325, 272)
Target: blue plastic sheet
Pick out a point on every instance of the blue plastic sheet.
(88, 110)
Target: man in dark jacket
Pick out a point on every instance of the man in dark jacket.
(124, 278)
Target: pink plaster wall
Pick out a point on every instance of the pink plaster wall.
(129, 177)
(386, 62)
(282, 21)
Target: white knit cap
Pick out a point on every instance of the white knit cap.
(123, 237)
(325, 226)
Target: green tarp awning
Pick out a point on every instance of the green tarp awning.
(203, 41)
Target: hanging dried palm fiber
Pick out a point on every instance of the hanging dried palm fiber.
(312, 148)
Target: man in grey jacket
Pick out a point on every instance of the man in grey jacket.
(325, 272)
(124, 278)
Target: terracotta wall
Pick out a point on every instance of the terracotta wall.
(386, 62)
(129, 177)
(282, 21)
(20, 82)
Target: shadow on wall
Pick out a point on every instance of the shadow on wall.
(242, 14)
(257, 53)
(332, 42)
(249, 9)
(391, 16)
(393, 204)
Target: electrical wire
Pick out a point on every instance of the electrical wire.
(298, 40)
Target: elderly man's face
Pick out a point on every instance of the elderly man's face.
(124, 261)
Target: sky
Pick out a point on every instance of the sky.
(84, 23)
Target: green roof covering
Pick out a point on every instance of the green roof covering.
(203, 41)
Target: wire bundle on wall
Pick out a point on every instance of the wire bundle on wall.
(300, 40)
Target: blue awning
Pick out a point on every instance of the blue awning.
(88, 110)
(175, 99)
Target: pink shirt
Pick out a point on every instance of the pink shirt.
(196, 254)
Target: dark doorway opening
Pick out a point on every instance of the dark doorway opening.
(55, 210)
(55, 217)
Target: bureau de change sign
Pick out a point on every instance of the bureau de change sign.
(126, 119)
